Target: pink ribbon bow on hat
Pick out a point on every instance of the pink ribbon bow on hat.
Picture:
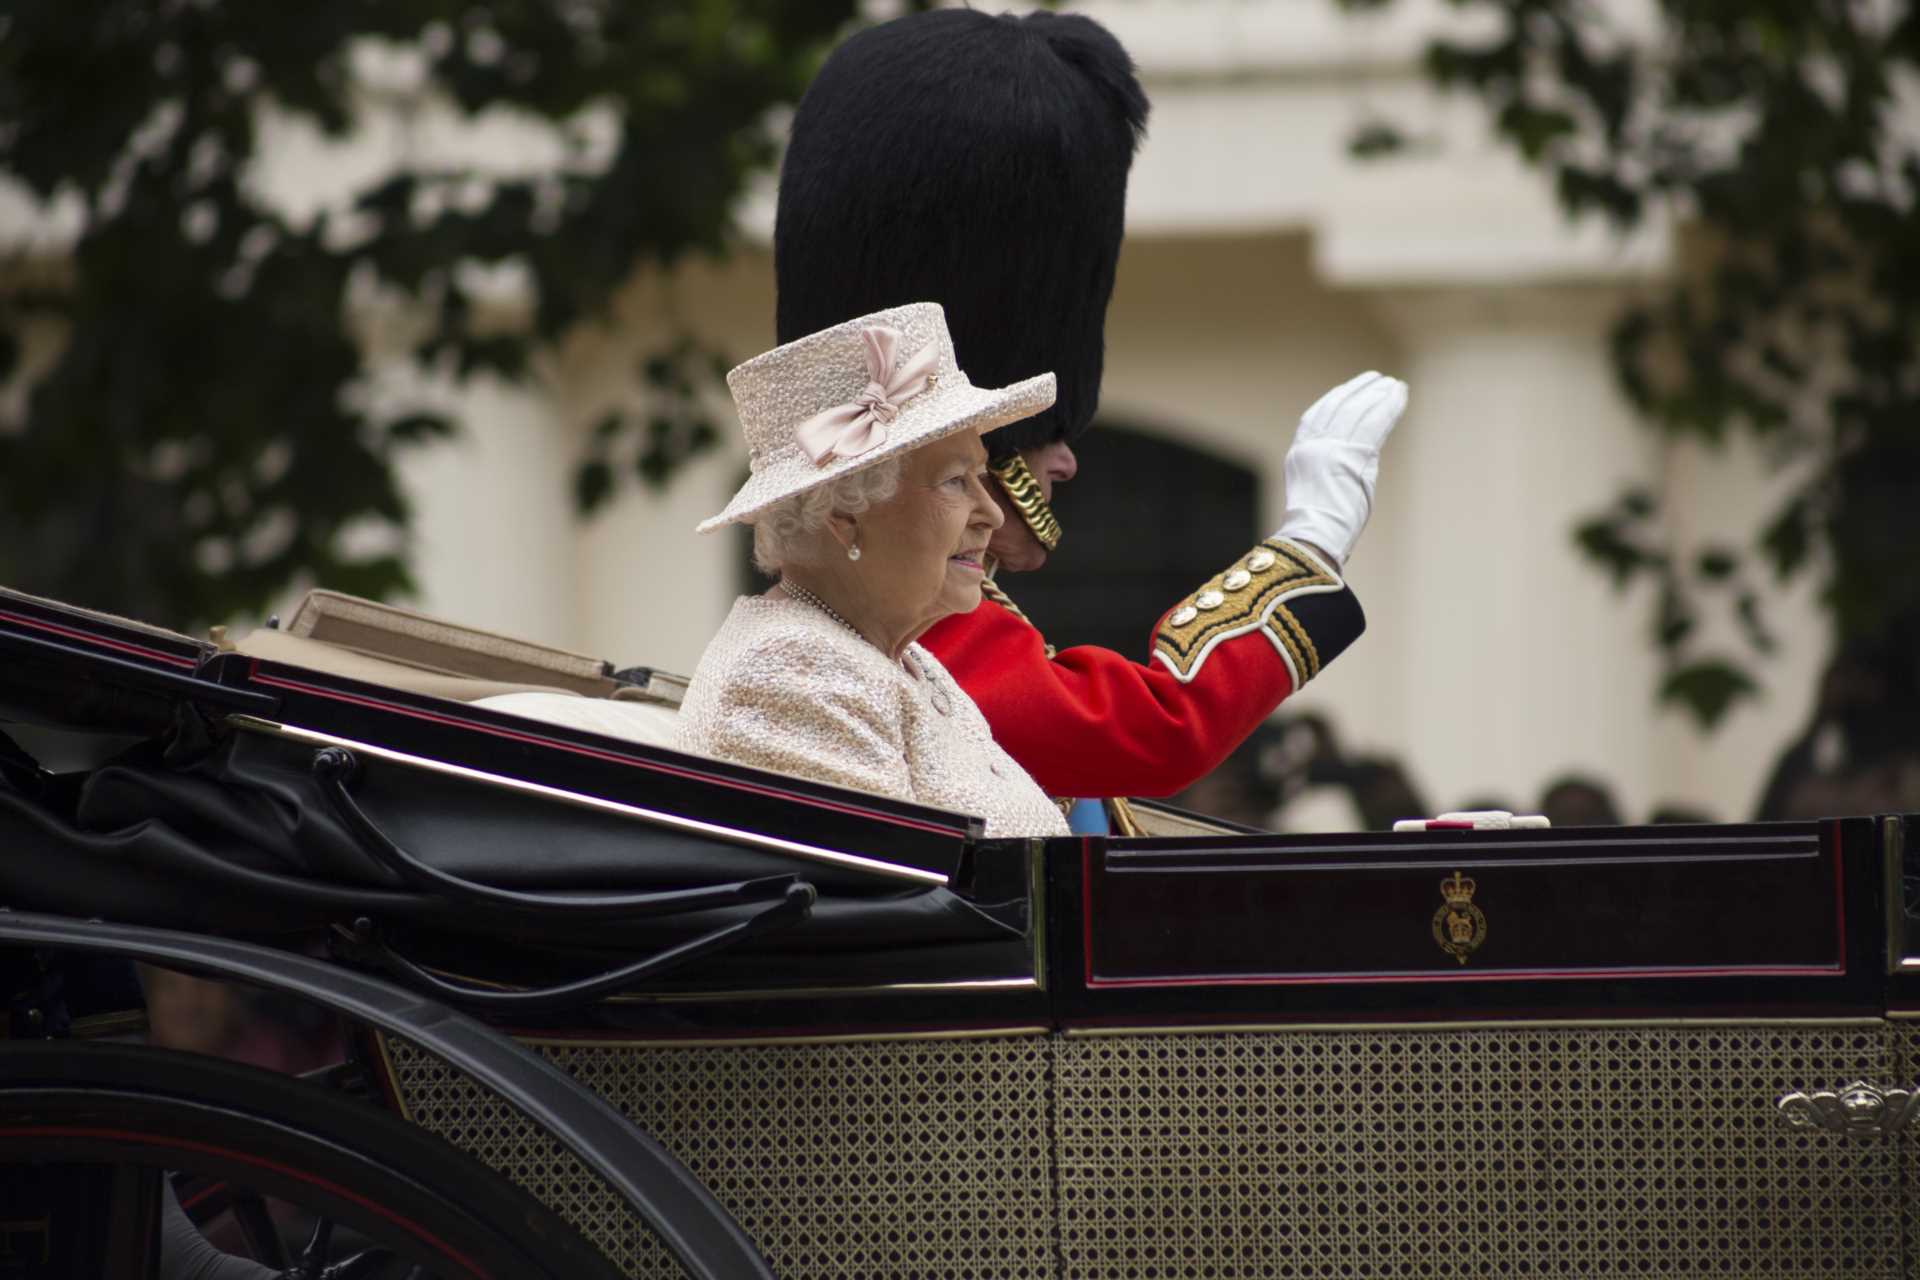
(849, 430)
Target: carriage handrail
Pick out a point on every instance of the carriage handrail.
(334, 768)
(652, 817)
(791, 909)
(135, 675)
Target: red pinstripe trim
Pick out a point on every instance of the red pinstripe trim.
(1479, 975)
(204, 1195)
(1837, 968)
(279, 682)
(138, 651)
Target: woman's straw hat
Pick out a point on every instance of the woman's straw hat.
(859, 393)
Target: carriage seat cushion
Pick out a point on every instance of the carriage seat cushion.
(638, 718)
(317, 655)
(646, 722)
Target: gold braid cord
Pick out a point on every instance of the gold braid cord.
(1023, 491)
(1119, 812)
(1254, 594)
(991, 590)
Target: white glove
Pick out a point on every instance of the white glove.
(1334, 461)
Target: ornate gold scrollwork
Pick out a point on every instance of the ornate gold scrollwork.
(1860, 1110)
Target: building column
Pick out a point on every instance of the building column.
(1514, 661)
(493, 523)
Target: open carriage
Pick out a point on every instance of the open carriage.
(622, 1011)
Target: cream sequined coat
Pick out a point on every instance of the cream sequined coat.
(785, 687)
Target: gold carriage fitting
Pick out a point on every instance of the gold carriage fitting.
(893, 1049)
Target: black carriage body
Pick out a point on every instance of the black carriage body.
(1677, 1051)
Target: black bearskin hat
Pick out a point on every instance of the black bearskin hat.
(977, 161)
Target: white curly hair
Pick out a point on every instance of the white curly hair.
(791, 531)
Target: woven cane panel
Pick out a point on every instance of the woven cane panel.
(1546, 1152)
(477, 1120)
(904, 1158)
(1906, 1043)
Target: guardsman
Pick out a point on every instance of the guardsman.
(981, 161)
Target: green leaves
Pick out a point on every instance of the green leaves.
(1617, 539)
(1603, 542)
(1534, 129)
(1625, 541)
(592, 484)
(1773, 132)
(1376, 139)
(670, 428)
(418, 428)
(1716, 564)
(1788, 538)
(1708, 689)
(1583, 190)
(210, 331)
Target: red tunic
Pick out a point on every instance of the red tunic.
(1088, 722)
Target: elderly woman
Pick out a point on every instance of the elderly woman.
(868, 500)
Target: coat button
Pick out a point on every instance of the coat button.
(1209, 599)
(940, 703)
(1260, 560)
(1183, 615)
(1236, 580)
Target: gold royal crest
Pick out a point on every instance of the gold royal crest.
(1459, 926)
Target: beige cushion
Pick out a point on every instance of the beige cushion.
(160, 633)
(432, 644)
(648, 722)
(316, 655)
(1162, 822)
(400, 649)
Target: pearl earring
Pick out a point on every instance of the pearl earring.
(853, 553)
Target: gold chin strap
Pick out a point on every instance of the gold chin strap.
(1024, 492)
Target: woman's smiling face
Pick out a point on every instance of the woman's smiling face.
(922, 550)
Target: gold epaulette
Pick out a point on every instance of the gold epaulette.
(1265, 590)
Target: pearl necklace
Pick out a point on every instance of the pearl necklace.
(909, 663)
(805, 596)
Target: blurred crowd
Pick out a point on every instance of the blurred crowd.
(1293, 774)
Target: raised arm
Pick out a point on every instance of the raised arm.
(1090, 722)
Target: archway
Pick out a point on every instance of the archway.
(1147, 520)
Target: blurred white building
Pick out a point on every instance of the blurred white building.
(1262, 266)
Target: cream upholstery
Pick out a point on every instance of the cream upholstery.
(384, 645)
(648, 722)
(318, 655)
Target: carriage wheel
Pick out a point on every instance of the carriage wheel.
(85, 1130)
